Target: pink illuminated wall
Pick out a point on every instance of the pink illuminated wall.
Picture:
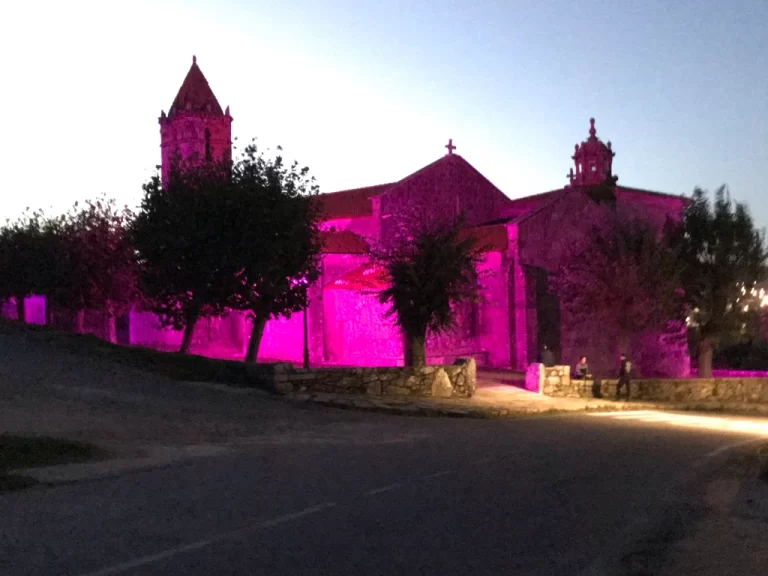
(34, 309)
(356, 331)
(493, 333)
(283, 339)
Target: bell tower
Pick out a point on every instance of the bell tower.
(593, 161)
(195, 129)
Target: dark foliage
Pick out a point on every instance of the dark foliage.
(723, 258)
(27, 257)
(183, 245)
(221, 236)
(430, 275)
(624, 272)
(277, 239)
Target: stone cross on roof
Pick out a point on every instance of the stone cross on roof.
(450, 146)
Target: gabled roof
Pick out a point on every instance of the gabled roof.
(447, 160)
(342, 242)
(355, 203)
(682, 197)
(493, 238)
(521, 208)
(195, 95)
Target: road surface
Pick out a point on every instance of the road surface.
(578, 494)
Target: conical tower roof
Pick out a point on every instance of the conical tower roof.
(195, 95)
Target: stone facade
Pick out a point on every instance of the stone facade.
(346, 324)
(195, 128)
(519, 239)
(457, 380)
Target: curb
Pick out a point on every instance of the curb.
(421, 408)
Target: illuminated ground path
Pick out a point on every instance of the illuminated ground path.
(752, 426)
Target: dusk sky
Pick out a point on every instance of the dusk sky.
(366, 92)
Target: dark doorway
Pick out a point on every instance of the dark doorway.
(547, 315)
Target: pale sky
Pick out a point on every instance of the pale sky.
(366, 92)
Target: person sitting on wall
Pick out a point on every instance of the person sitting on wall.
(582, 369)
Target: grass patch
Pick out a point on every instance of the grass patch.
(18, 452)
(12, 482)
(173, 365)
(25, 452)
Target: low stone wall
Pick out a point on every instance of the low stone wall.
(549, 380)
(557, 381)
(737, 390)
(446, 381)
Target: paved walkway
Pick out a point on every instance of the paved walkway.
(490, 401)
(494, 400)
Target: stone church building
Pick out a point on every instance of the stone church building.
(346, 325)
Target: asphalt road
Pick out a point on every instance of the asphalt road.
(392, 495)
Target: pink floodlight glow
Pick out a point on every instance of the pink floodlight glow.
(347, 325)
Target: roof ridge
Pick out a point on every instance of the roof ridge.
(652, 192)
(558, 195)
(358, 189)
(449, 158)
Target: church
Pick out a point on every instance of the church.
(345, 325)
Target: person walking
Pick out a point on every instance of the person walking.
(625, 368)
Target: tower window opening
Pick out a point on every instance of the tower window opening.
(208, 153)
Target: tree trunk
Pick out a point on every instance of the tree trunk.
(254, 341)
(705, 358)
(415, 352)
(189, 331)
(79, 322)
(407, 355)
(110, 323)
(21, 313)
(110, 328)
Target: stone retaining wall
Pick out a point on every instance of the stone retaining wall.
(557, 381)
(445, 381)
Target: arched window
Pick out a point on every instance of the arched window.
(208, 152)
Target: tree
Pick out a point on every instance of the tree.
(224, 236)
(274, 229)
(95, 268)
(624, 272)
(723, 258)
(26, 258)
(430, 273)
(181, 236)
